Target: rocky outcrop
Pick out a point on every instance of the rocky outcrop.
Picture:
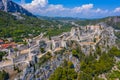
(12, 7)
(106, 41)
(1, 5)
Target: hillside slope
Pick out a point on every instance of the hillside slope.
(113, 21)
(11, 27)
(10, 6)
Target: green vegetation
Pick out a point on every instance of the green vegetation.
(84, 76)
(4, 75)
(118, 65)
(114, 75)
(56, 31)
(42, 50)
(1, 55)
(16, 68)
(78, 54)
(117, 34)
(111, 21)
(60, 52)
(92, 67)
(76, 51)
(66, 72)
(118, 42)
(97, 78)
(98, 51)
(115, 52)
(29, 27)
(44, 58)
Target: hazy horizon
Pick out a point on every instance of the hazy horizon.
(79, 8)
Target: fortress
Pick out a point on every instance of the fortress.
(87, 37)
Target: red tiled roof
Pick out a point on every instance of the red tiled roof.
(4, 46)
(1, 40)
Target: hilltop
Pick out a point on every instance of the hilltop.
(12, 7)
(59, 48)
(19, 27)
(113, 21)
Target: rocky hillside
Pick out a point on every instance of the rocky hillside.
(113, 21)
(10, 6)
(22, 28)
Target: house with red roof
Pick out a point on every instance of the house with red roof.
(8, 45)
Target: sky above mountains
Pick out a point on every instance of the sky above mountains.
(72, 8)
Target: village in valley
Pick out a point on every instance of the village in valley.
(20, 56)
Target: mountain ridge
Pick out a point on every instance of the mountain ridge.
(12, 7)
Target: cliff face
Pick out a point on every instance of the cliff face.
(1, 5)
(106, 42)
(10, 6)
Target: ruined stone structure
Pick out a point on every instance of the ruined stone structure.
(87, 37)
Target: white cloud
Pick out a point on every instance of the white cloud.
(84, 7)
(87, 6)
(117, 9)
(36, 4)
(55, 7)
(41, 7)
(98, 10)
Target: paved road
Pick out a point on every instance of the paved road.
(7, 65)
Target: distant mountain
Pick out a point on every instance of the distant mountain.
(1, 5)
(60, 18)
(113, 21)
(10, 6)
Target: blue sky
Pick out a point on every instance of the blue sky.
(73, 8)
(97, 3)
